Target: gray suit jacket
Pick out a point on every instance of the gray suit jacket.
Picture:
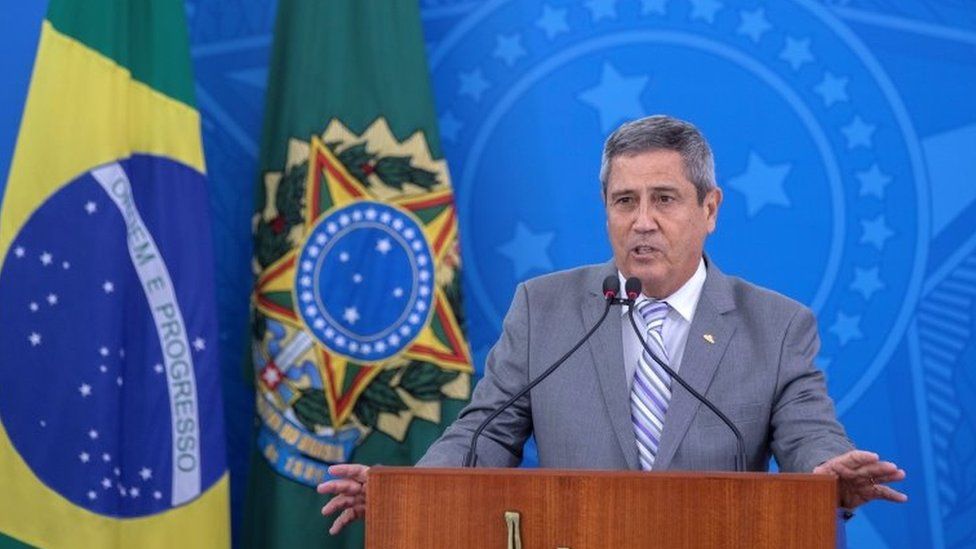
(759, 371)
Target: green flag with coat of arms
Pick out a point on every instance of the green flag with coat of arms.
(358, 351)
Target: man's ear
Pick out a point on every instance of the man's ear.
(712, 202)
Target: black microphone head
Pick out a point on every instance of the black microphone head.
(611, 286)
(632, 288)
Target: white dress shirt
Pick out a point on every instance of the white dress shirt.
(677, 323)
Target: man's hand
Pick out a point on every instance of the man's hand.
(350, 494)
(862, 477)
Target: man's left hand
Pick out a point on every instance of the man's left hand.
(862, 477)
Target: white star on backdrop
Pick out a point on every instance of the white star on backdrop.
(35, 339)
(85, 389)
(832, 89)
(46, 258)
(509, 48)
(616, 97)
(91, 207)
(19, 251)
(108, 287)
(552, 21)
(753, 24)
(473, 84)
(52, 299)
(199, 344)
(350, 315)
(383, 246)
(762, 184)
(796, 52)
(859, 133)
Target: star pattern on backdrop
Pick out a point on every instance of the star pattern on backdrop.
(762, 184)
(552, 21)
(616, 97)
(508, 48)
(753, 24)
(796, 52)
(704, 10)
(528, 250)
(832, 89)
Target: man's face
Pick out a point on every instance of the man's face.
(657, 227)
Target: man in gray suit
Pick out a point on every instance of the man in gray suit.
(611, 406)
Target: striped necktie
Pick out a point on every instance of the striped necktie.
(651, 390)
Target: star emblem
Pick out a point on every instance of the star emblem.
(528, 250)
(449, 126)
(832, 89)
(473, 84)
(46, 258)
(145, 473)
(858, 133)
(552, 21)
(796, 52)
(330, 186)
(705, 10)
(91, 207)
(108, 287)
(657, 7)
(602, 9)
(753, 24)
(762, 184)
(509, 49)
(616, 98)
(873, 181)
(19, 251)
(35, 339)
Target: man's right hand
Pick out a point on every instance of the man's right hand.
(349, 488)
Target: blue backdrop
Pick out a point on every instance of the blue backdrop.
(845, 140)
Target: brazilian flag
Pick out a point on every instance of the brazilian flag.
(111, 430)
(358, 351)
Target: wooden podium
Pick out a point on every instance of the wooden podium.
(545, 508)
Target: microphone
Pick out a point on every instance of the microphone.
(611, 288)
(633, 288)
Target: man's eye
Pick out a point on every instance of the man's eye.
(666, 198)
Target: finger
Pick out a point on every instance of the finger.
(342, 502)
(888, 493)
(349, 470)
(875, 471)
(894, 476)
(340, 486)
(857, 458)
(347, 516)
(337, 503)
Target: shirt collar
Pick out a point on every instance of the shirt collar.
(684, 300)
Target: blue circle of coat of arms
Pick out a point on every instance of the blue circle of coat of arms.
(364, 280)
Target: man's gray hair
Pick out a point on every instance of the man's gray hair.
(660, 132)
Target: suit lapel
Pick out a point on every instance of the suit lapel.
(606, 350)
(699, 362)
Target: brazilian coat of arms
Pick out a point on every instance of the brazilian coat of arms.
(357, 310)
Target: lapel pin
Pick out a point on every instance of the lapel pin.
(709, 338)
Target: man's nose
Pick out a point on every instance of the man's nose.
(646, 219)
